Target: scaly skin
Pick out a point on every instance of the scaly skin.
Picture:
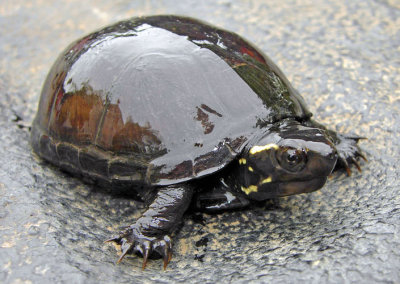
(150, 233)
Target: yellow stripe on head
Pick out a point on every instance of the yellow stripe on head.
(250, 189)
(257, 149)
(242, 161)
(266, 180)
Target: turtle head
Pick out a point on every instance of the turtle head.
(288, 159)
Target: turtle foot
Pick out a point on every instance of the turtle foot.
(133, 241)
(349, 153)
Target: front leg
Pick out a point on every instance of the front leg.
(150, 233)
(348, 152)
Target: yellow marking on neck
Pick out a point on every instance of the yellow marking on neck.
(251, 169)
(238, 65)
(242, 161)
(257, 149)
(250, 189)
(266, 180)
(254, 188)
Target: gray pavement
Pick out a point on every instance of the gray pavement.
(343, 57)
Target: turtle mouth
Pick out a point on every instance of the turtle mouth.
(285, 188)
(302, 186)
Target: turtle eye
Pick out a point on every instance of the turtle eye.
(291, 159)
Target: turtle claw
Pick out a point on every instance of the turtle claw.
(146, 249)
(124, 252)
(114, 239)
(355, 162)
(166, 261)
(132, 240)
(360, 154)
(348, 170)
(164, 248)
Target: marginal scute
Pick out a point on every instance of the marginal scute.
(68, 155)
(123, 169)
(92, 160)
(47, 148)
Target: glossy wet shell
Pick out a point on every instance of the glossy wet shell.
(158, 100)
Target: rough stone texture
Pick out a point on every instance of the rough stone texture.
(344, 58)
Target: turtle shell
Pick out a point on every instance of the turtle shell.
(159, 100)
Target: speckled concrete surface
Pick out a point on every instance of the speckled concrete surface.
(343, 56)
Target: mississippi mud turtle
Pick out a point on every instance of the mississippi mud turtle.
(179, 111)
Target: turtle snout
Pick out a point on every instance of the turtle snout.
(321, 165)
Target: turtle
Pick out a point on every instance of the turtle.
(182, 113)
